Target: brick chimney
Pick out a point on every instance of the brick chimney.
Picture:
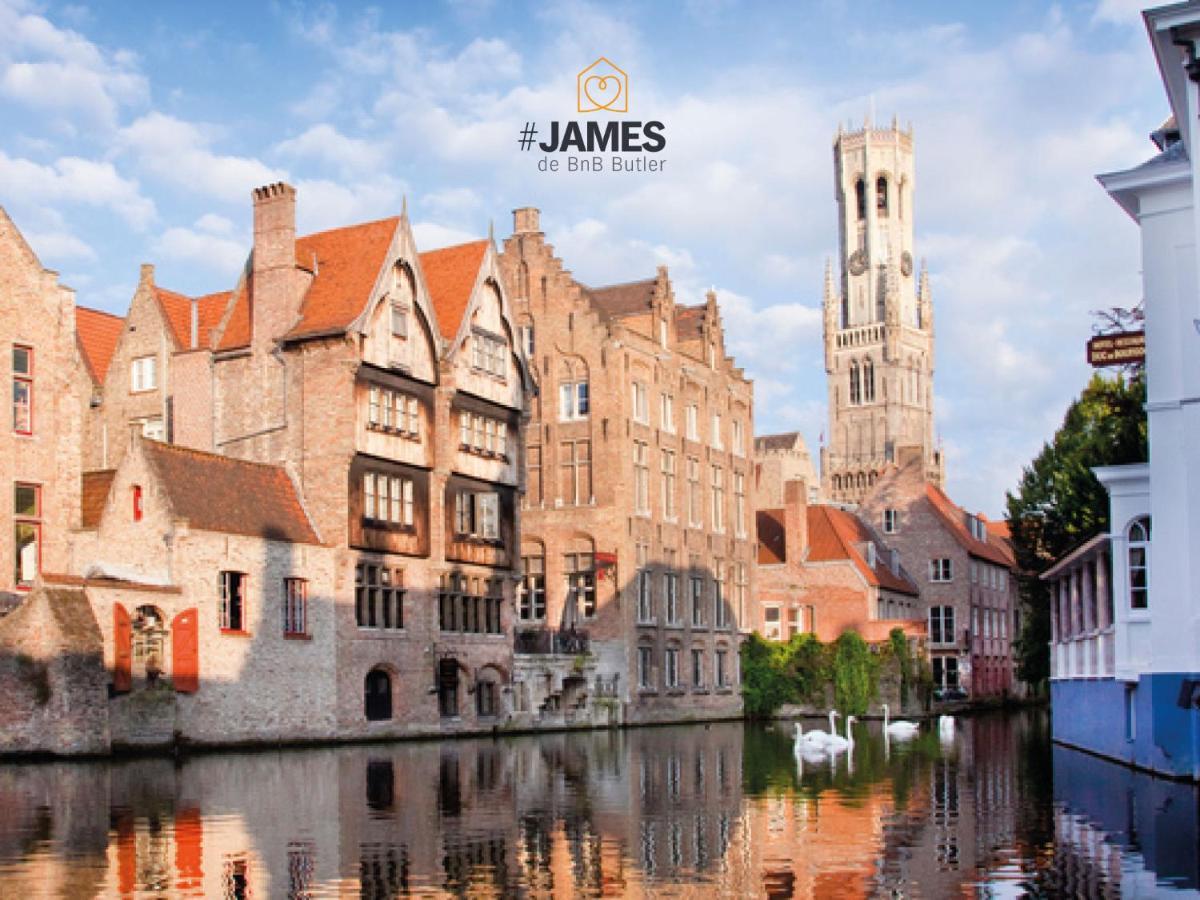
(526, 220)
(795, 520)
(275, 302)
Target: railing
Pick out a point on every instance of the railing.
(567, 641)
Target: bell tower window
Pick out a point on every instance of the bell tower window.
(860, 197)
(855, 384)
(881, 196)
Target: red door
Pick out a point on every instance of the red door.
(185, 652)
(122, 649)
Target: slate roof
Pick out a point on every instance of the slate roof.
(450, 274)
(94, 495)
(97, 334)
(628, 299)
(768, 442)
(230, 496)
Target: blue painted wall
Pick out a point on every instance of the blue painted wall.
(1093, 715)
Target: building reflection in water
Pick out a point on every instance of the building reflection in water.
(688, 810)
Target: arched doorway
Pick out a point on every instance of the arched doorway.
(377, 695)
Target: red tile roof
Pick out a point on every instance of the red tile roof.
(94, 495)
(230, 496)
(450, 274)
(237, 328)
(689, 322)
(835, 534)
(97, 334)
(772, 537)
(628, 299)
(177, 310)
(995, 550)
(211, 308)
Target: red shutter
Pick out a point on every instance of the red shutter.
(185, 652)
(122, 649)
(189, 845)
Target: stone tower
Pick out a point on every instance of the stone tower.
(878, 319)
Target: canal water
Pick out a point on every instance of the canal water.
(700, 810)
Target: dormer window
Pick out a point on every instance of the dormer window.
(487, 354)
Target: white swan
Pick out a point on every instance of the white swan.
(820, 738)
(839, 744)
(899, 729)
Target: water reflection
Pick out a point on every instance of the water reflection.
(692, 810)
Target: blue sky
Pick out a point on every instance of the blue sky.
(135, 132)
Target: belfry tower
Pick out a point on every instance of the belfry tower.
(878, 319)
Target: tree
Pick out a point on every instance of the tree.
(1059, 503)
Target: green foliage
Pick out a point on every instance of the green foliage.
(1059, 503)
(899, 645)
(855, 674)
(765, 685)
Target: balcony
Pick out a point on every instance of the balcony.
(550, 641)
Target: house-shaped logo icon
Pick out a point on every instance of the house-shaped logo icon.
(603, 86)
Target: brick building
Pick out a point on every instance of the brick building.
(778, 459)
(964, 568)
(636, 530)
(40, 437)
(822, 570)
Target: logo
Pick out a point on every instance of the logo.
(602, 86)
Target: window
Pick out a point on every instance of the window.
(645, 598)
(533, 466)
(718, 499)
(22, 370)
(27, 508)
(525, 335)
(645, 667)
(153, 428)
(860, 199)
(399, 320)
(487, 354)
(722, 669)
(393, 411)
(739, 504)
(793, 621)
(641, 479)
(575, 488)
(641, 409)
(668, 484)
(573, 401)
(378, 596)
(697, 668)
(940, 570)
(469, 605)
(975, 573)
(295, 606)
(691, 414)
(486, 698)
(771, 622)
(855, 384)
(667, 413)
(868, 381)
(482, 435)
(477, 515)
(739, 438)
(377, 695)
(388, 498)
(672, 667)
(581, 582)
(721, 619)
(881, 196)
(232, 613)
(945, 671)
(890, 521)
(141, 374)
(696, 589)
(741, 589)
(941, 625)
(448, 688)
(693, 488)
(532, 605)
(671, 594)
(1139, 563)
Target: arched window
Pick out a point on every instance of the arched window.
(855, 384)
(881, 196)
(860, 197)
(1139, 563)
(377, 695)
(868, 381)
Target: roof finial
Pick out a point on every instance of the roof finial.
(404, 206)
(491, 231)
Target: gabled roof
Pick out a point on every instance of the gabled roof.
(177, 311)
(94, 495)
(97, 334)
(345, 264)
(450, 275)
(230, 496)
(210, 308)
(835, 534)
(995, 550)
(628, 299)
(772, 537)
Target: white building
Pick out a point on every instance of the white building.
(1147, 711)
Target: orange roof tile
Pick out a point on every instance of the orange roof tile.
(230, 496)
(94, 495)
(450, 274)
(995, 550)
(210, 309)
(237, 329)
(177, 311)
(97, 334)
(772, 537)
(834, 534)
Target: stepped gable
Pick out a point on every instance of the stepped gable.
(97, 334)
(450, 275)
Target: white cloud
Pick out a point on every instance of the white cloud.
(431, 235)
(323, 204)
(179, 153)
(52, 246)
(325, 144)
(71, 180)
(223, 257)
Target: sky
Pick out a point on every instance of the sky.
(135, 132)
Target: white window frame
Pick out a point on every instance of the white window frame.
(143, 374)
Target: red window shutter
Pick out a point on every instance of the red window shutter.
(189, 849)
(137, 503)
(122, 649)
(185, 652)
